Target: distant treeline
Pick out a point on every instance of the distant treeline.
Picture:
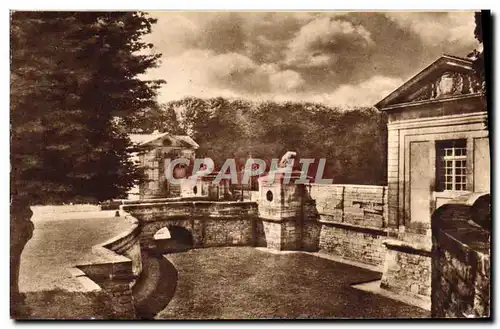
(353, 141)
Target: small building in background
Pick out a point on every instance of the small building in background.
(157, 150)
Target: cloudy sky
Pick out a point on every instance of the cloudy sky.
(337, 58)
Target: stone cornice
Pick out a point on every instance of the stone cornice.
(409, 247)
(431, 101)
(362, 229)
(446, 120)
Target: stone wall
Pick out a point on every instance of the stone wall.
(311, 235)
(125, 244)
(152, 161)
(364, 205)
(227, 223)
(227, 232)
(272, 234)
(462, 287)
(121, 265)
(120, 299)
(116, 280)
(343, 220)
(461, 266)
(210, 224)
(352, 242)
(352, 220)
(407, 268)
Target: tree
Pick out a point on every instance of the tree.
(478, 54)
(71, 74)
(482, 19)
(160, 117)
(353, 141)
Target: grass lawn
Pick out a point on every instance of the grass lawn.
(245, 283)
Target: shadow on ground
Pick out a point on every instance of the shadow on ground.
(156, 285)
(245, 283)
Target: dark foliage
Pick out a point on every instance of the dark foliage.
(71, 74)
(353, 141)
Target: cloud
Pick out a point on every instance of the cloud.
(176, 32)
(330, 57)
(203, 73)
(287, 80)
(366, 93)
(435, 28)
(323, 40)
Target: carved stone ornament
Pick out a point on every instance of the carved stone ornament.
(449, 84)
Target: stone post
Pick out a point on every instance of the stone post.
(282, 209)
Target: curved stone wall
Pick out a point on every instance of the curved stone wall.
(461, 262)
(121, 265)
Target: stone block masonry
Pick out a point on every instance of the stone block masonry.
(407, 269)
(209, 223)
(352, 220)
(461, 284)
(363, 205)
(461, 267)
(121, 299)
(311, 236)
(228, 232)
(120, 266)
(272, 233)
(352, 242)
(344, 220)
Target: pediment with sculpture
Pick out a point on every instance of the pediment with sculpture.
(448, 84)
(447, 77)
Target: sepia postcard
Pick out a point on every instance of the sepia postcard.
(250, 165)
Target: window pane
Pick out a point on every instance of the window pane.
(451, 165)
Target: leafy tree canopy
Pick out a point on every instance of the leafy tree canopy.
(71, 73)
(478, 54)
(353, 141)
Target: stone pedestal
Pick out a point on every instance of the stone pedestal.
(282, 208)
(288, 215)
